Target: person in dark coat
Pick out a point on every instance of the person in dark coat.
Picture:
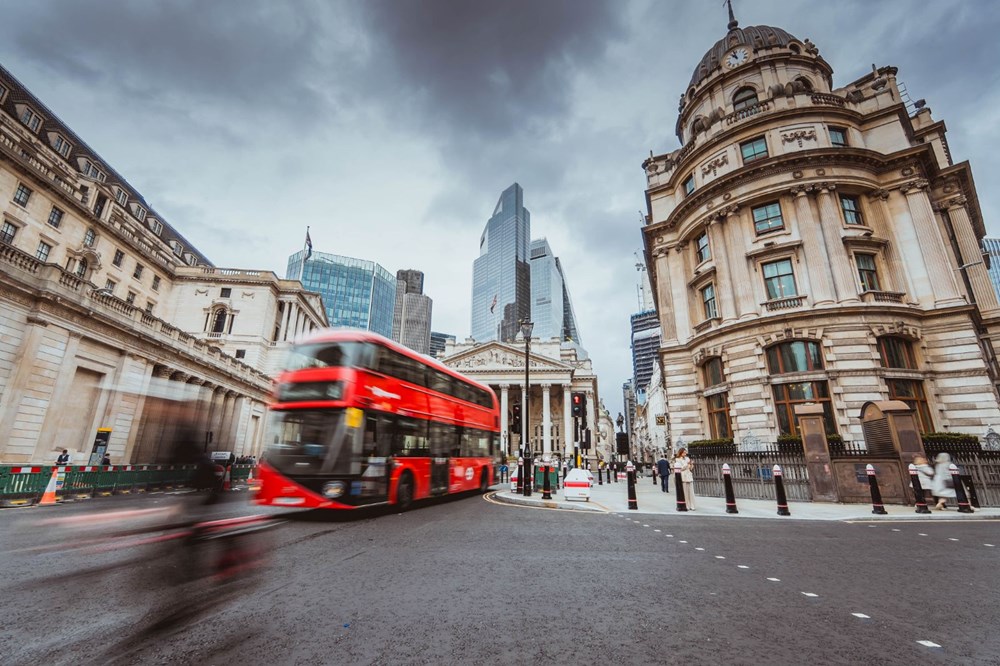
(663, 468)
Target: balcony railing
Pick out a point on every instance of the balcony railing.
(784, 303)
(750, 111)
(823, 98)
(882, 296)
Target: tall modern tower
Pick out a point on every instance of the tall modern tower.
(411, 318)
(551, 307)
(992, 248)
(356, 293)
(501, 291)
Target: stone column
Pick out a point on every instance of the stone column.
(909, 249)
(546, 420)
(679, 275)
(664, 295)
(841, 262)
(979, 277)
(814, 247)
(897, 279)
(567, 420)
(940, 270)
(504, 435)
(739, 272)
(723, 284)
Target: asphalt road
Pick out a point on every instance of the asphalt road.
(468, 581)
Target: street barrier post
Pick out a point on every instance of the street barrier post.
(877, 507)
(633, 504)
(529, 472)
(520, 474)
(600, 476)
(546, 485)
(679, 488)
(727, 479)
(963, 501)
(918, 490)
(779, 491)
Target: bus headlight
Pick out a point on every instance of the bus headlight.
(334, 489)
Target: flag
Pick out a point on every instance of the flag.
(493, 304)
(309, 245)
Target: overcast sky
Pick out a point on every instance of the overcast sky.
(392, 127)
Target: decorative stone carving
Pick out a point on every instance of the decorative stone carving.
(880, 193)
(820, 172)
(799, 136)
(917, 185)
(855, 97)
(796, 174)
(907, 171)
(810, 47)
(201, 292)
(249, 294)
(712, 166)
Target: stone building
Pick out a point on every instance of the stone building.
(554, 374)
(95, 303)
(813, 243)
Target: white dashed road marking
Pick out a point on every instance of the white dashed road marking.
(657, 530)
(683, 541)
(720, 557)
(894, 529)
(645, 525)
(928, 643)
(921, 534)
(774, 580)
(950, 539)
(810, 594)
(861, 615)
(699, 549)
(742, 566)
(989, 545)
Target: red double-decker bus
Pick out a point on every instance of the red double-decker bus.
(359, 420)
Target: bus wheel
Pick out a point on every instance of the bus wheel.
(404, 491)
(484, 481)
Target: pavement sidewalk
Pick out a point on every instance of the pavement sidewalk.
(613, 497)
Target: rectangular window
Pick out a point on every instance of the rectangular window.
(838, 137)
(241, 353)
(110, 285)
(768, 218)
(55, 217)
(137, 273)
(786, 396)
(718, 416)
(130, 299)
(62, 146)
(121, 197)
(911, 391)
(7, 233)
(42, 253)
(156, 283)
(155, 226)
(896, 353)
(713, 372)
(689, 185)
(31, 119)
(779, 279)
(867, 272)
(703, 252)
(852, 210)
(119, 258)
(22, 195)
(89, 238)
(708, 298)
(149, 307)
(754, 149)
(226, 292)
(91, 171)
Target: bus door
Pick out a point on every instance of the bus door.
(441, 436)
(375, 452)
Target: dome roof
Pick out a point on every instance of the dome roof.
(754, 36)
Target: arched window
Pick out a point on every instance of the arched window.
(744, 98)
(81, 268)
(219, 321)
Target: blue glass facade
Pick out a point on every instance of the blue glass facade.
(356, 293)
(551, 307)
(992, 248)
(501, 275)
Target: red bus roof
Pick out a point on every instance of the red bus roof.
(355, 335)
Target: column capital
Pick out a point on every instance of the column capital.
(546, 386)
(826, 188)
(950, 204)
(504, 387)
(801, 190)
(880, 193)
(914, 186)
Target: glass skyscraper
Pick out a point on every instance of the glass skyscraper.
(501, 275)
(411, 318)
(551, 307)
(992, 248)
(356, 293)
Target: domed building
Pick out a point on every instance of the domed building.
(812, 243)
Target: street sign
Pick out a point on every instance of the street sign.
(661, 419)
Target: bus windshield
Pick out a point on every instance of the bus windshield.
(312, 441)
(330, 355)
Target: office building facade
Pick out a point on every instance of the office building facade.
(439, 341)
(551, 306)
(411, 317)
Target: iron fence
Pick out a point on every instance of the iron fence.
(983, 469)
(752, 475)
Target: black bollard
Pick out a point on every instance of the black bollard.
(520, 475)
(600, 476)
(679, 487)
(918, 490)
(615, 469)
(633, 505)
(970, 489)
(877, 507)
(546, 484)
(727, 479)
(963, 501)
(654, 475)
(529, 470)
(779, 491)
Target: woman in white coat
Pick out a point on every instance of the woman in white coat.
(943, 486)
(687, 476)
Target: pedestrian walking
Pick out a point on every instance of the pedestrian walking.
(63, 458)
(943, 485)
(663, 467)
(687, 476)
(925, 473)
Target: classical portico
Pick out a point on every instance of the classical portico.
(554, 374)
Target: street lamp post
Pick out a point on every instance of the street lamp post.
(526, 327)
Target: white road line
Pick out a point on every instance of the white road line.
(742, 566)
(810, 594)
(894, 529)
(720, 557)
(951, 539)
(861, 615)
(683, 542)
(657, 530)
(774, 580)
(928, 643)
(989, 545)
(873, 526)
(645, 525)
(699, 549)
(671, 536)
(921, 534)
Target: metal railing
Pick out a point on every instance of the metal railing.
(752, 475)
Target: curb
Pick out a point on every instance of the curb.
(547, 504)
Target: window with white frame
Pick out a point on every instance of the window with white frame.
(779, 279)
(91, 171)
(838, 137)
(708, 301)
(90, 237)
(155, 226)
(7, 233)
(156, 283)
(140, 213)
(130, 299)
(42, 253)
(702, 250)
(137, 273)
(754, 149)
(689, 185)
(22, 194)
(768, 218)
(55, 217)
(31, 119)
(81, 268)
(110, 286)
(119, 258)
(121, 196)
(62, 146)
(867, 272)
(852, 209)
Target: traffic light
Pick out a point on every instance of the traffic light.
(579, 400)
(516, 421)
(621, 443)
(585, 444)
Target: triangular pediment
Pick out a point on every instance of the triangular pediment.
(501, 357)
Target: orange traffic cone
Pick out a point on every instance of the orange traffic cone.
(49, 496)
(227, 479)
